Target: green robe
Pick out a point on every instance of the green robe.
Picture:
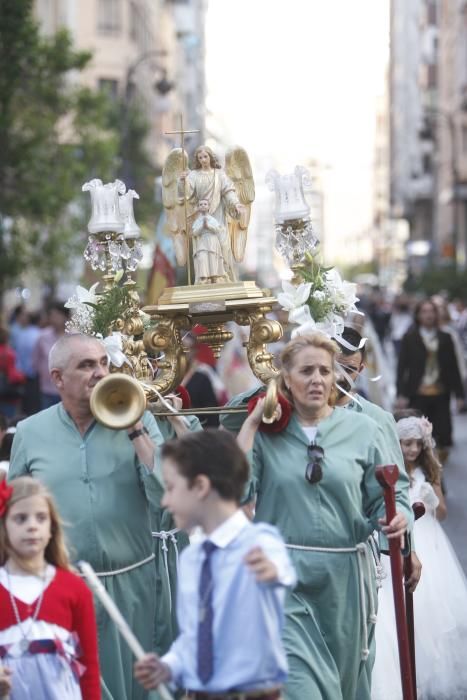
(393, 455)
(234, 421)
(386, 421)
(167, 547)
(102, 493)
(324, 634)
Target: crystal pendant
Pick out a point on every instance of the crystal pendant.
(88, 251)
(138, 251)
(114, 249)
(125, 251)
(102, 263)
(132, 264)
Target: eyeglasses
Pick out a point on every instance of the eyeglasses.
(314, 471)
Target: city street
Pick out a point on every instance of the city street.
(456, 484)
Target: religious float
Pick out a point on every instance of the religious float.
(207, 208)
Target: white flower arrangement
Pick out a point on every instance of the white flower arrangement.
(94, 314)
(321, 301)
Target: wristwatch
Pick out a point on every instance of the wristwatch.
(138, 433)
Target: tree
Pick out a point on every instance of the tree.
(136, 168)
(438, 279)
(53, 135)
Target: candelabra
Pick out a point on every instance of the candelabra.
(294, 230)
(136, 334)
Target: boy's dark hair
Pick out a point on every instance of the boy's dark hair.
(215, 454)
(353, 337)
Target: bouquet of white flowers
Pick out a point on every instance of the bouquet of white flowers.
(321, 301)
(95, 314)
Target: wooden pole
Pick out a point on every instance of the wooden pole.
(117, 617)
(387, 476)
(418, 510)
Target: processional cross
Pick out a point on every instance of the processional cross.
(182, 133)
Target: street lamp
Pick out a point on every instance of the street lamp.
(162, 87)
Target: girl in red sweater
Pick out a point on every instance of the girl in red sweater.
(48, 638)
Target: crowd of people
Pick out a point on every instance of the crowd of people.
(245, 556)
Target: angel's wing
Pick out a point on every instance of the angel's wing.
(238, 168)
(174, 165)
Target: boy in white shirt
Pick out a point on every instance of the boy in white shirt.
(232, 582)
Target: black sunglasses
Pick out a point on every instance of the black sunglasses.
(314, 471)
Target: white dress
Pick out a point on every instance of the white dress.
(440, 614)
(37, 676)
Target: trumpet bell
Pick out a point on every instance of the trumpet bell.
(118, 401)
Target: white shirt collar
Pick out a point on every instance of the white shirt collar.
(223, 535)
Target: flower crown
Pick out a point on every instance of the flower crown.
(416, 429)
(6, 493)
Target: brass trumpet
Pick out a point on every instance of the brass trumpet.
(119, 401)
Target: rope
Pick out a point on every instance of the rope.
(165, 535)
(363, 560)
(380, 573)
(103, 574)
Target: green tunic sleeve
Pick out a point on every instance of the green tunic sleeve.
(234, 421)
(373, 499)
(99, 486)
(392, 454)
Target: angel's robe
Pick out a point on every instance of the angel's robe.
(102, 493)
(327, 627)
(215, 186)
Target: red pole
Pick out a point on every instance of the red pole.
(418, 510)
(387, 477)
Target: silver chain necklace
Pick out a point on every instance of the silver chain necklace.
(25, 641)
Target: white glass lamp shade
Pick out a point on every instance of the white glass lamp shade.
(105, 214)
(131, 228)
(290, 194)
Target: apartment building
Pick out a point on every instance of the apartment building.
(146, 50)
(428, 124)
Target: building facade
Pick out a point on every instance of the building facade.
(149, 51)
(451, 129)
(428, 127)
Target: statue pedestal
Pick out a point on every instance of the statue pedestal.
(199, 293)
(211, 305)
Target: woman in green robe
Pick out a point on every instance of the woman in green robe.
(315, 480)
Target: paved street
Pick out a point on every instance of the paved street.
(456, 483)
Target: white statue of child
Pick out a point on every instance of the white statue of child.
(208, 260)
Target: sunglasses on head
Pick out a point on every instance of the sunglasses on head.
(314, 470)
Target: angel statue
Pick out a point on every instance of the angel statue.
(229, 194)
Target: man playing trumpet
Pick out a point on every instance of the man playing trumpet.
(103, 481)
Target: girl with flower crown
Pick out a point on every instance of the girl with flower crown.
(440, 601)
(48, 639)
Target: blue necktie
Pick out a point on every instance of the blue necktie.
(206, 614)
